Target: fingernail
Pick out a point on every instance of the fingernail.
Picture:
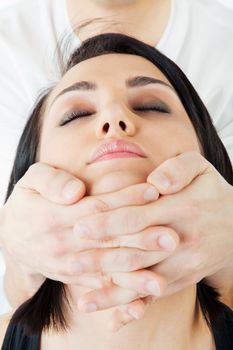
(71, 189)
(151, 194)
(89, 307)
(77, 267)
(82, 231)
(160, 178)
(153, 288)
(167, 243)
(133, 314)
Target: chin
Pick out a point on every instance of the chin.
(118, 180)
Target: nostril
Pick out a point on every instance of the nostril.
(106, 127)
(122, 125)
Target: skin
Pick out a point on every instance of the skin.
(51, 185)
(134, 17)
(111, 103)
(96, 176)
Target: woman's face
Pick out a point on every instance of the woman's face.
(112, 120)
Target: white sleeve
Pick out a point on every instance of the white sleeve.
(15, 103)
(226, 130)
(13, 113)
(220, 107)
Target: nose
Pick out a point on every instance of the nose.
(115, 122)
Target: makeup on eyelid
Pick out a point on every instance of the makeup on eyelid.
(150, 107)
(141, 92)
(160, 135)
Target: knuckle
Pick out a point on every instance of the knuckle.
(108, 243)
(50, 222)
(176, 168)
(135, 261)
(53, 246)
(132, 221)
(57, 246)
(99, 227)
(59, 178)
(105, 294)
(92, 260)
(121, 260)
(98, 206)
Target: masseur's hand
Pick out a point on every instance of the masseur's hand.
(29, 227)
(198, 204)
(37, 230)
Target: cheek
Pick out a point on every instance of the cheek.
(171, 139)
(63, 151)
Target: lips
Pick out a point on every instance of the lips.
(117, 149)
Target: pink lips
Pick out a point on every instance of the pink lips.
(117, 149)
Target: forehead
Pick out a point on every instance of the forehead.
(109, 69)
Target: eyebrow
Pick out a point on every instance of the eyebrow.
(143, 81)
(131, 83)
(81, 85)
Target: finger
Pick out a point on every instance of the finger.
(143, 282)
(92, 281)
(53, 184)
(176, 173)
(105, 298)
(154, 238)
(125, 314)
(90, 256)
(139, 194)
(112, 260)
(123, 221)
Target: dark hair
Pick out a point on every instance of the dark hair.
(46, 308)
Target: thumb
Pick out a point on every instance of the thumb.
(53, 184)
(176, 173)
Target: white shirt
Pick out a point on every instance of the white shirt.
(198, 37)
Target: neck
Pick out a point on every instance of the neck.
(174, 323)
(133, 17)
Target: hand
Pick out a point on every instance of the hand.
(27, 221)
(201, 211)
(36, 225)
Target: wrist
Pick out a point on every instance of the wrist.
(20, 283)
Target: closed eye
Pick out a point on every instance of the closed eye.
(160, 107)
(70, 116)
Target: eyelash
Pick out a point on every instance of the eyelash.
(74, 115)
(158, 107)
